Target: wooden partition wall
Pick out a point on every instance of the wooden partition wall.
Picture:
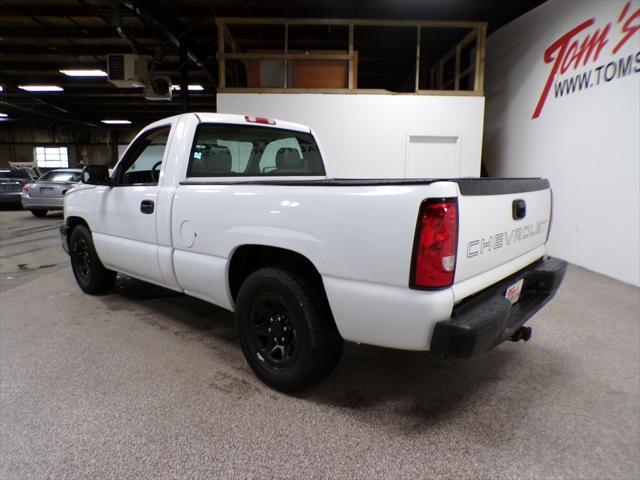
(447, 75)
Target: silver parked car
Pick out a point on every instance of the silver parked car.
(47, 193)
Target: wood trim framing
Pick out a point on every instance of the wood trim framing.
(361, 91)
(477, 32)
(347, 21)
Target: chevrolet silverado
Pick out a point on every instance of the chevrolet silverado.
(243, 212)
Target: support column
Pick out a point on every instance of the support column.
(184, 80)
(113, 140)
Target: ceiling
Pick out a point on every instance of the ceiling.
(39, 37)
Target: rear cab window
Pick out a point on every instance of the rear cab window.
(224, 150)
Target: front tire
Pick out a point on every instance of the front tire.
(92, 277)
(285, 330)
(39, 212)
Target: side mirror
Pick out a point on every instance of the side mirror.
(96, 175)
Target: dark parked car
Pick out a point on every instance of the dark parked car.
(11, 183)
(47, 193)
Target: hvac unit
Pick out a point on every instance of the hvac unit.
(158, 88)
(128, 70)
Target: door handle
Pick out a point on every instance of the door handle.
(146, 206)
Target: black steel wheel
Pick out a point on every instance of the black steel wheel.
(273, 331)
(286, 330)
(91, 276)
(81, 254)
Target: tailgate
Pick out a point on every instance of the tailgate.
(503, 225)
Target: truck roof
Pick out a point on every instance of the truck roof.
(210, 117)
(246, 120)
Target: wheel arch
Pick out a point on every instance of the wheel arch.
(71, 223)
(248, 258)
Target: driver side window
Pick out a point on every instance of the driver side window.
(143, 161)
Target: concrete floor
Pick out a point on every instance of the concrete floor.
(145, 383)
(29, 246)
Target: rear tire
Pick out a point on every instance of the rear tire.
(91, 275)
(285, 330)
(39, 212)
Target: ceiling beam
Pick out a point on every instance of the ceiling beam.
(11, 85)
(173, 31)
(112, 93)
(49, 11)
(10, 33)
(69, 50)
(115, 20)
(39, 113)
(93, 33)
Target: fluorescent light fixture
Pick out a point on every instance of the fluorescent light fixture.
(191, 88)
(40, 88)
(3, 115)
(117, 122)
(84, 73)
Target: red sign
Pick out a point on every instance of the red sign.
(581, 46)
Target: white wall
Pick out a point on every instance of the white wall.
(367, 135)
(588, 142)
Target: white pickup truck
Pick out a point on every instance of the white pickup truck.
(243, 212)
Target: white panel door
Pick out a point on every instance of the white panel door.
(432, 156)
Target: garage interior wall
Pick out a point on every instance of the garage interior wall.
(380, 136)
(85, 144)
(583, 133)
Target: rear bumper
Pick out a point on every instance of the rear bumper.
(49, 203)
(488, 319)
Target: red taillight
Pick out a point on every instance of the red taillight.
(264, 120)
(436, 243)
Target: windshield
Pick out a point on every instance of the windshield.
(14, 174)
(60, 176)
(240, 150)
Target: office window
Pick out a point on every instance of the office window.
(52, 157)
